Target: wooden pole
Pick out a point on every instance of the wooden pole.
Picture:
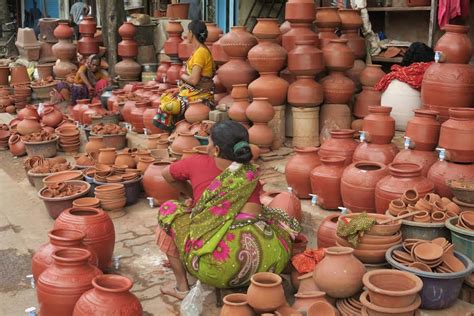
(112, 14)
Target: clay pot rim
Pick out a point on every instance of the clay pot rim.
(109, 187)
(146, 159)
(327, 8)
(339, 251)
(339, 40)
(274, 277)
(239, 27)
(333, 159)
(31, 118)
(14, 138)
(404, 169)
(455, 28)
(74, 234)
(348, 10)
(362, 163)
(372, 65)
(425, 113)
(461, 114)
(186, 134)
(48, 110)
(77, 175)
(306, 150)
(107, 149)
(364, 299)
(416, 265)
(89, 199)
(305, 276)
(398, 202)
(380, 109)
(242, 296)
(305, 42)
(366, 279)
(310, 294)
(71, 255)
(116, 283)
(343, 132)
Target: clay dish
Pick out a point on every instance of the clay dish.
(373, 309)
(370, 256)
(440, 241)
(62, 176)
(468, 219)
(402, 255)
(363, 246)
(453, 263)
(86, 202)
(412, 252)
(428, 252)
(381, 240)
(114, 179)
(449, 249)
(420, 266)
(321, 309)
(109, 187)
(381, 230)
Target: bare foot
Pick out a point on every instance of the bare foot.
(166, 264)
(171, 290)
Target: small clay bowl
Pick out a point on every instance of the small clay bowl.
(423, 217)
(438, 217)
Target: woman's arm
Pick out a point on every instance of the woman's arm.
(195, 76)
(182, 186)
(84, 79)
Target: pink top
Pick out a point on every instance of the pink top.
(201, 170)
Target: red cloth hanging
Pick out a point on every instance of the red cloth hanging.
(450, 9)
(411, 75)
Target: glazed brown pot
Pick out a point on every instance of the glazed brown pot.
(260, 110)
(379, 125)
(337, 88)
(288, 202)
(28, 125)
(443, 171)
(298, 32)
(184, 141)
(61, 285)
(261, 135)
(333, 117)
(17, 147)
(300, 11)
(338, 56)
(267, 56)
(99, 229)
(271, 86)
(457, 135)
(325, 35)
(326, 182)
(355, 42)
(368, 97)
(423, 158)
(350, 19)
(305, 59)
(156, 186)
(358, 185)
(341, 144)
(403, 176)
(327, 17)
(337, 282)
(265, 293)
(236, 71)
(298, 169)
(110, 295)
(326, 233)
(235, 304)
(374, 152)
(238, 42)
(305, 92)
(455, 44)
(423, 130)
(371, 75)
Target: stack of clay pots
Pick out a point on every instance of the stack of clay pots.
(369, 77)
(64, 50)
(87, 45)
(111, 196)
(69, 138)
(240, 97)
(260, 112)
(4, 137)
(171, 48)
(6, 101)
(449, 84)
(21, 96)
(300, 15)
(128, 69)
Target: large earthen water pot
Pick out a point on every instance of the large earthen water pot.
(326, 233)
(358, 185)
(260, 110)
(300, 11)
(128, 69)
(184, 141)
(423, 130)
(350, 19)
(402, 176)
(337, 88)
(16, 145)
(457, 135)
(52, 117)
(298, 170)
(265, 293)
(28, 125)
(213, 32)
(173, 73)
(333, 117)
(218, 53)
(161, 71)
(325, 35)
(94, 109)
(61, 285)
(447, 86)
(148, 116)
(341, 144)
(378, 125)
(238, 42)
(127, 109)
(288, 202)
(171, 45)
(236, 304)
(99, 229)
(238, 109)
(266, 28)
(87, 45)
(236, 71)
(338, 56)
(271, 86)
(137, 116)
(197, 112)
(110, 296)
(88, 25)
(368, 97)
(326, 182)
(305, 59)
(423, 158)
(156, 186)
(455, 44)
(261, 134)
(327, 17)
(58, 239)
(305, 92)
(267, 56)
(371, 75)
(64, 50)
(298, 32)
(442, 171)
(384, 153)
(78, 109)
(355, 42)
(339, 274)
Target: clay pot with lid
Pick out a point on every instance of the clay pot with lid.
(355, 42)
(327, 17)
(298, 32)
(337, 88)
(457, 135)
(338, 56)
(236, 71)
(358, 185)
(265, 293)
(99, 229)
(300, 11)
(298, 170)
(28, 125)
(16, 145)
(238, 42)
(379, 126)
(423, 130)
(443, 171)
(384, 153)
(335, 281)
(305, 92)
(260, 110)
(326, 182)
(402, 176)
(341, 144)
(371, 75)
(367, 98)
(305, 58)
(184, 141)
(350, 19)
(236, 304)
(455, 44)
(423, 158)
(271, 86)
(267, 56)
(61, 285)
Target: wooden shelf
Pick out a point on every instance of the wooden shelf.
(398, 9)
(395, 60)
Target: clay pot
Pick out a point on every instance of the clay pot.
(156, 186)
(341, 144)
(4, 74)
(455, 44)
(28, 125)
(19, 75)
(267, 57)
(326, 234)
(17, 147)
(106, 156)
(337, 88)
(88, 25)
(136, 116)
(327, 17)
(298, 32)
(184, 141)
(161, 71)
(235, 304)
(127, 109)
(265, 293)
(108, 289)
(236, 71)
(355, 71)
(87, 45)
(94, 144)
(299, 11)
(368, 97)
(271, 86)
(298, 169)
(325, 35)
(333, 117)
(305, 92)
(358, 185)
(261, 135)
(371, 75)
(355, 42)
(218, 54)
(94, 109)
(457, 135)
(238, 109)
(288, 202)
(266, 28)
(305, 59)
(442, 172)
(197, 112)
(402, 176)
(423, 158)
(99, 227)
(350, 19)
(148, 116)
(61, 285)
(171, 45)
(128, 69)
(185, 50)
(260, 110)
(378, 125)
(338, 56)
(63, 31)
(303, 300)
(125, 158)
(377, 153)
(339, 282)
(64, 50)
(144, 163)
(213, 32)
(423, 130)
(326, 182)
(238, 42)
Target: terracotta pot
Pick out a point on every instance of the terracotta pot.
(185, 50)
(300, 11)
(368, 97)
(355, 42)
(337, 88)
(88, 25)
(305, 92)
(184, 141)
(171, 45)
(298, 32)
(94, 109)
(28, 125)
(63, 31)
(350, 19)
(58, 239)
(423, 130)
(288, 202)
(106, 156)
(266, 28)
(305, 59)
(338, 56)
(327, 17)
(335, 281)
(197, 112)
(238, 42)
(156, 186)
(4, 74)
(144, 163)
(265, 293)
(455, 44)
(341, 144)
(137, 116)
(237, 111)
(61, 285)
(326, 233)
(261, 135)
(99, 229)
(378, 126)
(236, 71)
(127, 109)
(19, 75)
(306, 283)
(457, 135)
(148, 116)
(125, 158)
(128, 69)
(260, 110)
(443, 171)
(402, 176)
(174, 27)
(326, 182)
(94, 144)
(17, 147)
(423, 158)
(355, 71)
(371, 75)
(303, 300)
(127, 30)
(325, 35)
(218, 54)
(235, 304)
(87, 45)
(213, 32)
(298, 169)
(267, 56)
(45, 70)
(447, 86)
(377, 153)
(161, 71)
(333, 117)
(271, 86)
(107, 289)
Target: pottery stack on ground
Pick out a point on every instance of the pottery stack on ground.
(64, 50)
(128, 69)
(260, 112)
(111, 196)
(87, 45)
(351, 22)
(300, 14)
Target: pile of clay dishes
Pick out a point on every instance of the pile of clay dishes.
(111, 196)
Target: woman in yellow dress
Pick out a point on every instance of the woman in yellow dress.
(195, 84)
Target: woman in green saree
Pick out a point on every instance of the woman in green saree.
(225, 235)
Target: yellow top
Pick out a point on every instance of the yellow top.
(202, 58)
(83, 69)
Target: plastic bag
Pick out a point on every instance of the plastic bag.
(192, 303)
